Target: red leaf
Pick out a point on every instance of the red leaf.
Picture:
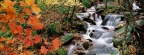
(14, 28)
(6, 48)
(28, 32)
(19, 36)
(12, 53)
(37, 39)
(28, 42)
(12, 25)
(43, 50)
(56, 43)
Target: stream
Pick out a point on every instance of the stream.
(100, 33)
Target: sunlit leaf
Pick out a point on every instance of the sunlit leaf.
(10, 10)
(29, 2)
(56, 43)
(37, 39)
(43, 50)
(46, 43)
(22, 3)
(1, 45)
(37, 26)
(27, 11)
(35, 9)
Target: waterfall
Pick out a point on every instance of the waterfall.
(100, 34)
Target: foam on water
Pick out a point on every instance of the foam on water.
(101, 34)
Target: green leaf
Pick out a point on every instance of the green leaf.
(67, 38)
(1, 33)
(113, 53)
(130, 28)
(61, 51)
(128, 37)
(34, 32)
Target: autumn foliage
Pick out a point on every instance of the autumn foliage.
(12, 19)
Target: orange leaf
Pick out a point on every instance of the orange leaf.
(37, 26)
(3, 29)
(27, 11)
(10, 41)
(46, 43)
(12, 53)
(10, 10)
(56, 43)
(4, 18)
(22, 20)
(35, 9)
(9, 3)
(2, 39)
(1, 46)
(28, 42)
(25, 53)
(12, 17)
(29, 2)
(17, 29)
(28, 32)
(12, 25)
(43, 50)
(37, 39)
(33, 20)
(22, 3)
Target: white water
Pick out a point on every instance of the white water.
(135, 7)
(102, 35)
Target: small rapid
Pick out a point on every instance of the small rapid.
(100, 32)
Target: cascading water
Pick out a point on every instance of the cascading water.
(100, 34)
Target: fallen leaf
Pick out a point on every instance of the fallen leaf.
(28, 42)
(46, 43)
(43, 50)
(27, 11)
(56, 43)
(3, 29)
(29, 2)
(28, 32)
(6, 48)
(21, 18)
(37, 38)
(22, 3)
(2, 39)
(10, 41)
(37, 26)
(12, 53)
